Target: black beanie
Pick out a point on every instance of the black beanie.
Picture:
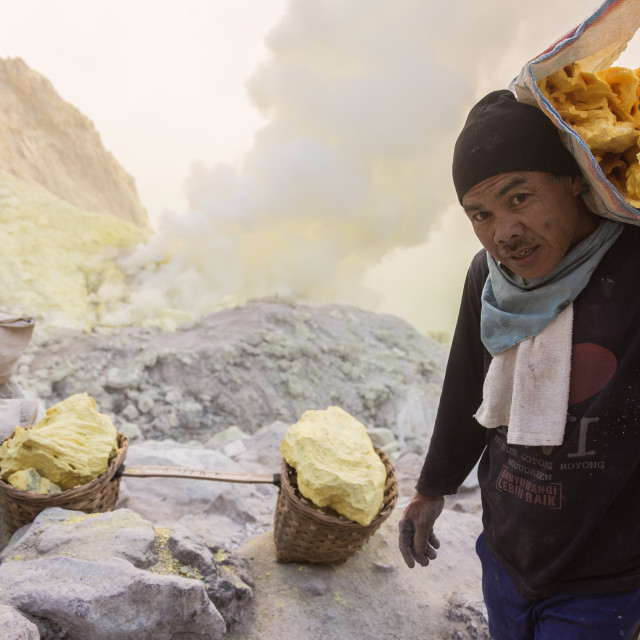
(502, 135)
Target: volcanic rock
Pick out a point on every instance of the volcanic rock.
(268, 360)
(14, 626)
(114, 575)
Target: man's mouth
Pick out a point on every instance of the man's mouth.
(523, 253)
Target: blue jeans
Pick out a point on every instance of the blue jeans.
(583, 617)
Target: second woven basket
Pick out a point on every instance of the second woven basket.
(303, 533)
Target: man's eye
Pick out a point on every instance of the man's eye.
(479, 216)
(519, 198)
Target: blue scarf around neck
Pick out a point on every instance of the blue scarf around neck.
(515, 309)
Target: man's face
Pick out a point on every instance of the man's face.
(528, 220)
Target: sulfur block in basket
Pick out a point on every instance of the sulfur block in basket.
(336, 463)
(70, 446)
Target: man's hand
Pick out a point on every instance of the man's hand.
(418, 543)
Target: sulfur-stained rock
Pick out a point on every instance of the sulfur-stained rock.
(105, 576)
(70, 446)
(336, 463)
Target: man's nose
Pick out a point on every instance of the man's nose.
(508, 229)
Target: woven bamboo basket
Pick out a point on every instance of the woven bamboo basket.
(101, 494)
(304, 533)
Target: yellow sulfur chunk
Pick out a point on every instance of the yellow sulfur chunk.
(70, 446)
(31, 480)
(633, 181)
(603, 109)
(605, 134)
(336, 463)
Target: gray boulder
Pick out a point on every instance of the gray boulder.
(80, 599)
(115, 575)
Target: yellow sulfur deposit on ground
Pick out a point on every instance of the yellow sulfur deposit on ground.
(336, 463)
(59, 262)
(167, 563)
(602, 108)
(70, 446)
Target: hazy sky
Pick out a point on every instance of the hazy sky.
(367, 93)
(163, 81)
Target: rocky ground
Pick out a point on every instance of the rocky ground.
(219, 395)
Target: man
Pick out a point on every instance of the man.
(543, 386)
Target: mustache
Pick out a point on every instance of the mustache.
(517, 246)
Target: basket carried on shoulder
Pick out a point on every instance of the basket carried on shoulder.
(101, 494)
(302, 533)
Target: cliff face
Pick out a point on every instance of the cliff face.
(46, 141)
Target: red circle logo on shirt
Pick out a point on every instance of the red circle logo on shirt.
(592, 366)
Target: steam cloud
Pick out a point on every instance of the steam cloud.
(362, 101)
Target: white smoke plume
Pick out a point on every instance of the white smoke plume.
(362, 101)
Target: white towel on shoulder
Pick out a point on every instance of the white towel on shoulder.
(527, 386)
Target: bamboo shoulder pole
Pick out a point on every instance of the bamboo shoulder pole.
(133, 471)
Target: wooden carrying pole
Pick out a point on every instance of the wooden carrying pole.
(198, 474)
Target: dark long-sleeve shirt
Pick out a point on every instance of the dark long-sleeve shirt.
(562, 519)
